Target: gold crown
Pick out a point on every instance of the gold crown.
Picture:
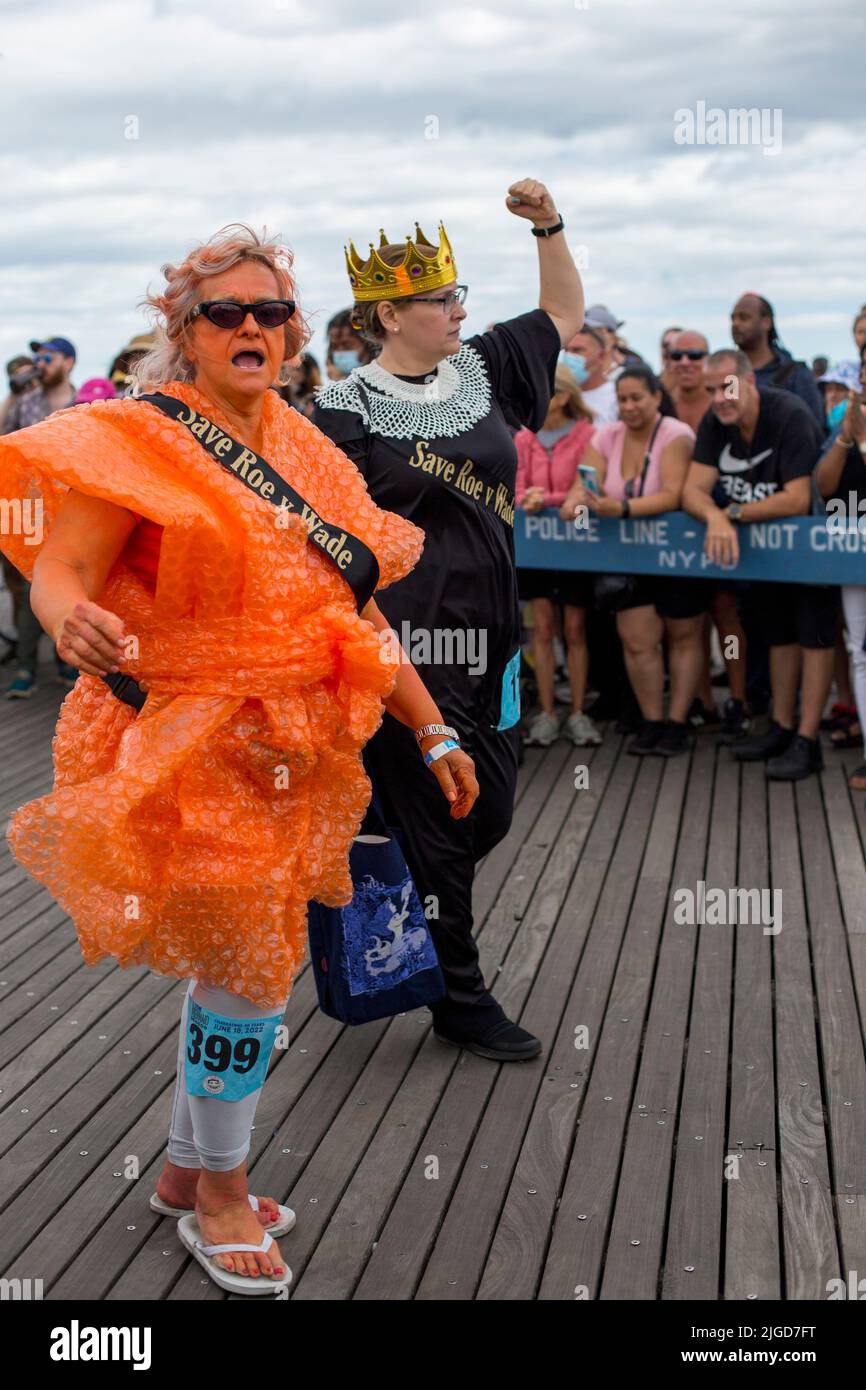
(375, 279)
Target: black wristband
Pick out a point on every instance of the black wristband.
(548, 231)
(626, 508)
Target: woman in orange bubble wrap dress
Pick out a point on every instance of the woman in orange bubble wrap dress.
(169, 838)
(190, 836)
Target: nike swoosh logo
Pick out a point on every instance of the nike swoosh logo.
(729, 464)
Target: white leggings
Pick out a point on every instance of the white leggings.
(207, 1131)
(854, 608)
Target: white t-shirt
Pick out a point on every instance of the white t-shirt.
(602, 402)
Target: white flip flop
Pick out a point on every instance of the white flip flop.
(190, 1235)
(283, 1224)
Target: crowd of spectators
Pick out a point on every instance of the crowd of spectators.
(740, 434)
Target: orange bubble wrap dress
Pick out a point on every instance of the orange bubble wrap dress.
(190, 837)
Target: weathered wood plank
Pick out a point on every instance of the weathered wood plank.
(693, 1250)
(752, 1256)
(474, 1215)
(575, 907)
(809, 1242)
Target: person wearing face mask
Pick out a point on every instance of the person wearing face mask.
(836, 385)
(346, 348)
(428, 424)
(599, 317)
(585, 354)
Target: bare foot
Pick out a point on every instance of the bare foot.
(224, 1215)
(177, 1188)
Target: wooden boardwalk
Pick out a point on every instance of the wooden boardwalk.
(597, 1171)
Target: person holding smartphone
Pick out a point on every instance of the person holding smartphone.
(641, 462)
(547, 461)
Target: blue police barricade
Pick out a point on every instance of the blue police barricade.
(794, 550)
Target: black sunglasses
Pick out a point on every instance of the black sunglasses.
(693, 354)
(227, 313)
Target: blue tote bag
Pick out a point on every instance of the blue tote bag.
(374, 957)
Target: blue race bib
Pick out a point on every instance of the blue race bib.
(509, 712)
(227, 1057)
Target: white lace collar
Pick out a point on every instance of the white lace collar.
(439, 386)
(450, 403)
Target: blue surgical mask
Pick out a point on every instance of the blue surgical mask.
(575, 364)
(837, 414)
(346, 360)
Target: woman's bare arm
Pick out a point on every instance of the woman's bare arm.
(675, 460)
(87, 536)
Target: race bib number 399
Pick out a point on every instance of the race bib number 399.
(227, 1058)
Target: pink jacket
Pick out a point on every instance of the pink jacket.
(554, 471)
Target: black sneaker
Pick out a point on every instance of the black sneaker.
(501, 1041)
(627, 725)
(735, 722)
(761, 746)
(700, 717)
(801, 758)
(647, 737)
(674, 740)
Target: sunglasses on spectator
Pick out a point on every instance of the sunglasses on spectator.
(44, 357)
(693, 354)
(227, 313)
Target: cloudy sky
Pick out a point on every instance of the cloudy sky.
(324, 121)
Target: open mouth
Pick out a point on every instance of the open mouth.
(249, 360)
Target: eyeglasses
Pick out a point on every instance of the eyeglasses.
(693, 354)
(448, 301)
(44, 357)
(228, 313)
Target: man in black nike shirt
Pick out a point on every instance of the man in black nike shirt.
(752, 461)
